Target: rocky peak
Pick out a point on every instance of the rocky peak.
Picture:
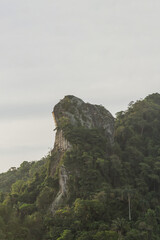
(76, 112)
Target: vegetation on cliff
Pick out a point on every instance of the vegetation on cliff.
(113, 189)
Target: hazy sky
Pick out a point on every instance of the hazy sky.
(103, 51)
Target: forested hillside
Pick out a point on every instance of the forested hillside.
(95, 188)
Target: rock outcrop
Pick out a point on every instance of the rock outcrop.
(72, 110)
(79, 113)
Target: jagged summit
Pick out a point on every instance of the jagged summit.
(78, 113)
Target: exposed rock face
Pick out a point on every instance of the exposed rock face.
(63, 177)
(60, 142)
(72, 110)
(79, 113)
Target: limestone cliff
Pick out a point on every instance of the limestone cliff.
(76, 113)
(79, 113)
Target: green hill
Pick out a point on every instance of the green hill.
(100, 182)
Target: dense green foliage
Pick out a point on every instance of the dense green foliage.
(113, 190)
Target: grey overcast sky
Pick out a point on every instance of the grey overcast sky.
(103, 51)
